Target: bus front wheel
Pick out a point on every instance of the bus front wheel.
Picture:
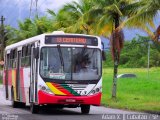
(85, 109)
(34, 108)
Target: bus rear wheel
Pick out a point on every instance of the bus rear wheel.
(34, 108)
(85, 109)
(15, 104)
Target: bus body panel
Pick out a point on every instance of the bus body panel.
(72, 91)
(24, 84)
(26, 77)
(82, 95)
(45, 98)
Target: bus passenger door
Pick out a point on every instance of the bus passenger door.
(18, 76)
(31, 90)
(34, 73)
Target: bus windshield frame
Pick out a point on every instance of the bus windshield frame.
(65, 62)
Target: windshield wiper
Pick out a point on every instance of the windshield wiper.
(61, 57)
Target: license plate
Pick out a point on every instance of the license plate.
(70, 100)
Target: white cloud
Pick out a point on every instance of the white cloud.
(42, 4)
(20, 9)
(52, 4)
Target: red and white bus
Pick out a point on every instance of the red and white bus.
(57, 69)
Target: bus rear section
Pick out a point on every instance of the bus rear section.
(65, 71)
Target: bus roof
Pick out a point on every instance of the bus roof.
(24, 42)
(39, 37)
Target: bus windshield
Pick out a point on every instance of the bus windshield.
(70, 63)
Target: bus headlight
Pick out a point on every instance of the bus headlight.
(45, 89)
(95, 90)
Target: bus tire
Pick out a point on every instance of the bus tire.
(85, 109)
(34, 108)
(15, 104)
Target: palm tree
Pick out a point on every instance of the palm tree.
(111, 14)
(144, 18)
(29, 28)
(71, 17)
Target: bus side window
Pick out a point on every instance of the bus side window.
(23, 56)
(7, 61)
(10, 60)
(13, 58)
(28, 55)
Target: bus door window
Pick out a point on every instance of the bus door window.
(13, 58)
(33, 75)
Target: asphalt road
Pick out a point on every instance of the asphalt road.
(96, 113)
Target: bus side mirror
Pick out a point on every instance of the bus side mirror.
(36, 52)
(103, 55)
(103, 52)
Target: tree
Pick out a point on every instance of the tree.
(144, 18)
(29, 28)
(111, 14)
(135, 54)
(2, 35)
(70, 17)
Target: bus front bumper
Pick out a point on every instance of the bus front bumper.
(46, 98)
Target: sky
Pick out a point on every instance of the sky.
(15, 10)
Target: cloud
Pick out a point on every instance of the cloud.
(42, 5)
(55, 5)
(15, 10)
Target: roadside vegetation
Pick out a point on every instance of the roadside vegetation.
(141, 93)
(135, 54)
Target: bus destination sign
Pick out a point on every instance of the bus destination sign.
(76, 40)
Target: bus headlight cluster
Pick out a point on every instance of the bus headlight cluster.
(45, 89)
(95, 90)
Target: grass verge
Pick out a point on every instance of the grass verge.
(140, 94)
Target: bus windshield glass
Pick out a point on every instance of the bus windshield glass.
(68, 63)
